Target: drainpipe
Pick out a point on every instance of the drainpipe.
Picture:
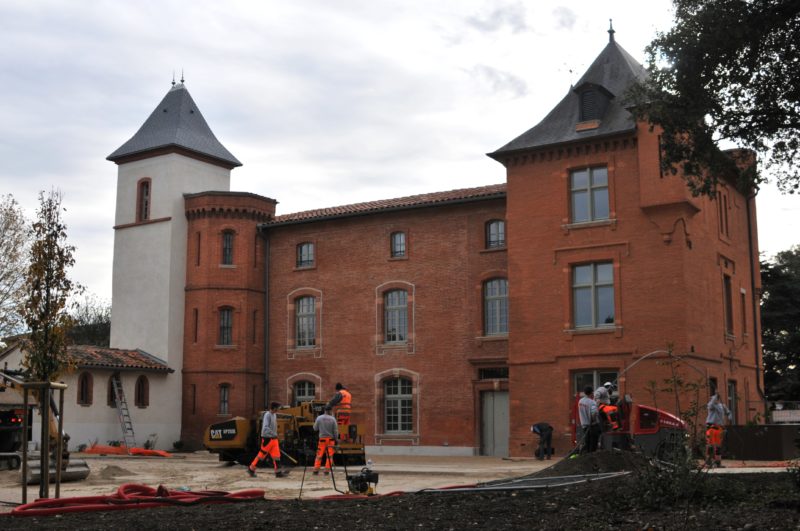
(753, 266)
(262, 231)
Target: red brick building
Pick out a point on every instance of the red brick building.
(458, 318)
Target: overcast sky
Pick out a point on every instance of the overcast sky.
(324, 102)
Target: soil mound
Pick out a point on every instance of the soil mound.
(598, 462)
(113, 471)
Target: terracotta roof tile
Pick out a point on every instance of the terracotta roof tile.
(90, 357)
(401, 203)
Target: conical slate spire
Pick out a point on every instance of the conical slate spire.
(612, 73)
(178, 124)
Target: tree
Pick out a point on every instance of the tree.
(780, 324)
(91, 319)
(729, 70)
(13, 253)
(47, 290)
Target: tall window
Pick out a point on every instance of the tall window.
(495, 307)
(395, 309)
(398, 410)
(142, 392)
(305, 322)
(227, 247)
(85, 389)
(225, 326)
(305, 254)
(593, 295)
(589, 193)
(728, 302)
(732, 399)
(111, 396)
(397, 242)
(224, 399)
(304, 391)
(495, 233)
(143, 200)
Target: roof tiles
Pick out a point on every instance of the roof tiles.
(91, 357)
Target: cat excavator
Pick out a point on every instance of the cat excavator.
(236, 440)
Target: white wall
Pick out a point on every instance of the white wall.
(149, 277)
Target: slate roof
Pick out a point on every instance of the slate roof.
(91, 357)
(463, 195)
(614, 70)
(176, 122)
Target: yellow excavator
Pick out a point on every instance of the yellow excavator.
(236, 440)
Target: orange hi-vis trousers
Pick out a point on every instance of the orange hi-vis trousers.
(324, 447)
(268, 447)
(714, 435)
(343, 420)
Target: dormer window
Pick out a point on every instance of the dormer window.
(589, 107)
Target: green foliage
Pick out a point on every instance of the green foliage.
(780, 324)
(47, 290)
(728, 70)
(14, 240)
(91, 319)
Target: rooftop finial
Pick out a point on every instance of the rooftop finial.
(173, 78)
(181, 75)
(611, 30)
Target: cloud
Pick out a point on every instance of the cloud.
(565, 17)
(500, 81)
(510, 16)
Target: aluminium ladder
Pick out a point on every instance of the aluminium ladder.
(124, 415)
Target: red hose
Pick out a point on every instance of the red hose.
(132, 496)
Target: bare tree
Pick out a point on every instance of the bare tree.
(14, 243)
(47, 290)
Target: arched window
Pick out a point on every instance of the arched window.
(111, 399)
(305, 254)
(495, 233)
(305, 322)
(225, 326)
(143, 200)
(398, 406)
(395, 311)
(142, 392)
(495, 307)
(397, 244)
(303, 391)
(85, 389)
(224, 399)
(227, 247)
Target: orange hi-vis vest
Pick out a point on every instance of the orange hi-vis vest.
(611, 414)
(714, 435)
(347, 398)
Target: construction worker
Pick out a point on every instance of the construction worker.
(342, 401)
(545, 433)
(715, 430)
(269, 442)
(589, 421)
(602, 395)
(328, 431)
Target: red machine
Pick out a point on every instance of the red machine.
(652, 431)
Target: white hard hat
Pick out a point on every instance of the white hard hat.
(608, 385)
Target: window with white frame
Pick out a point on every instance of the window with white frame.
(395, 309)
(398, 405)
(495, 307)
(303, 391)
(397, 243)
(589, 194)
(305, 254)
(593, 378)
(593, 295)
(305, 322)
(495, 233)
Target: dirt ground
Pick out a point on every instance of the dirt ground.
(729, 500)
